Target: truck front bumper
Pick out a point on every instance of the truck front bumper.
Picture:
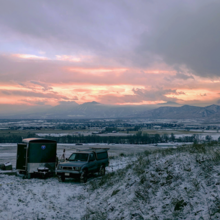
(68, 173)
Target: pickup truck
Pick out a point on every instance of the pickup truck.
(83, 162)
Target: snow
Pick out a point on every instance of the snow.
(47, 199)
(36, 199)
(53, 134)
(180, 183)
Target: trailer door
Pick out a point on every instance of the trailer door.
(21, 157)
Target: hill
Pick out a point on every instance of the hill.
(95, 110)
(183, 112)
(181, 183)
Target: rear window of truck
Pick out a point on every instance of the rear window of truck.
(101, 156)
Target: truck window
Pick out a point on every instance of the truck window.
(78, 157)
(92, 157)
(101, 156)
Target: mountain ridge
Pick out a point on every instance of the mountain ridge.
(183, 112)
(73, 110)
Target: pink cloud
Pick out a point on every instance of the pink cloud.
(51, 81)
(30, 56)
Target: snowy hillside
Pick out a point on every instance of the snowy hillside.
(181, 183)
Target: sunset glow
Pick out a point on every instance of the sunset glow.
(112, 55)
(29, 56)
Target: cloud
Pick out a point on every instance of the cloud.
(83, 27)
(53, 95)
(100, 50)
(123, 33)
(142, 96)
(70, 103)
(183, 76)
(30, 56)
(170, 103)
(44, 86)
(157, 95)
(186, 33)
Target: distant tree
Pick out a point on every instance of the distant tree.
(172, 137)
(156, 138)
(195, 141)
(165, 137)
(195, 138)
(208, 138)
(136, 128)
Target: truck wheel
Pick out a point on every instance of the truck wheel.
(84, 176)
(61, 178)
(102, 170)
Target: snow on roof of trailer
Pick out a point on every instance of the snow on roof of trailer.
(36, 140)
(92, 149)
(83, 152)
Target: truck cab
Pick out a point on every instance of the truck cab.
(83, 162)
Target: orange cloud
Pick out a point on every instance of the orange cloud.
(30, 56)
(97, 71)
(51, 81)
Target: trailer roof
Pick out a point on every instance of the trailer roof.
(36, 140)
(89, 150)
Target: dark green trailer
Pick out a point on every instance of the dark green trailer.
(36, 156)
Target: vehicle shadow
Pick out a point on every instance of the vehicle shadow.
(77, 181)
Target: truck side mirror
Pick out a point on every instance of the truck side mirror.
(67, 158)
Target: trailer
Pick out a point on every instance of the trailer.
(36, 156)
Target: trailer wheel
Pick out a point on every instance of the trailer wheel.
(84, 176)
(102, 170)
(61, 178)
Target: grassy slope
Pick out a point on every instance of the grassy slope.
(180, 183)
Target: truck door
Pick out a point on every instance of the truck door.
(21, 157)
(92, 162)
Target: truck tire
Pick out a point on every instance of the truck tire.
(84, 176)
(102, 170)
(61, 178)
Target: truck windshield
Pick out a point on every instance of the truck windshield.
(78, 157)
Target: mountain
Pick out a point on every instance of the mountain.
(72, 110)
(97, 110)
(183, 112)
(91, 103)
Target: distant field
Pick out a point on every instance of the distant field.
(25, 133)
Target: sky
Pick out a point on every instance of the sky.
(127, 52)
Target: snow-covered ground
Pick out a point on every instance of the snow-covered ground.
(48, 199)
(180, 183)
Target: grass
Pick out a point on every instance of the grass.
(180, 183)
(94, 214)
